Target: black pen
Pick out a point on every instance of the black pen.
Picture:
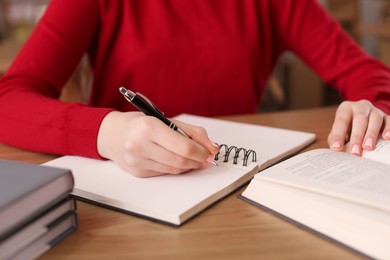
(148, 108)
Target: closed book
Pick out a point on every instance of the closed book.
(38, 227)
(26, 190)
(58, 231)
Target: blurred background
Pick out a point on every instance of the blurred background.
(367, 21)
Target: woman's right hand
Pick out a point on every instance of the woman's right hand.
(145, 147)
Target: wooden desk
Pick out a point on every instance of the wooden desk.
(231, 229)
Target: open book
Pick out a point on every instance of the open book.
(341, 196)
(174, 199)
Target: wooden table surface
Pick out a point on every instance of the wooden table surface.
(231, 229)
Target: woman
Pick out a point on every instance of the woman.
(206, 57)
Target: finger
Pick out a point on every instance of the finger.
(150, 138)
(386, 128)
(178, 144)
(155, 161)
(149, 168)
(199, 135)
(341, 127)
(175, 161)
(359, 128)
(376, 120)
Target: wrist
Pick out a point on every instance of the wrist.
(110, 136)
(105, 133)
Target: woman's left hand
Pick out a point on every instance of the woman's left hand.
(361, 123)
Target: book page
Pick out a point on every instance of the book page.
(270, 144)
(174, 198)
(381, 152)
(337, 174)
(363, 228)
(171, 198)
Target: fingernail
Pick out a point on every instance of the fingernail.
(210, 158)
(215, 144)
(336, 145)
(355, 149)
(387, 135)
(369, 143)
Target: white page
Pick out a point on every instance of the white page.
(163, 197)
(271, 144)
(363, 228)
(170, 197)
(381, 152)
(336, 174)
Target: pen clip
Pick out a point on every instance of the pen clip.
(130, 95)
(150, 103)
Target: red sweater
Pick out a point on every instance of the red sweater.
(203, 57)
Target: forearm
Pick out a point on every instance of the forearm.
(365, 78)
(32, 121)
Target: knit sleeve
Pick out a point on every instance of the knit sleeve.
(31, 116)
(308, 30)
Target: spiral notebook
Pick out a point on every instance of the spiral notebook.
(174, 199)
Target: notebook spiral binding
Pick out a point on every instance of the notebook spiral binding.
(236, 151)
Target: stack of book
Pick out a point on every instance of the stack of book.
(36, 209)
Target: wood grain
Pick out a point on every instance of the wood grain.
(231, 229)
